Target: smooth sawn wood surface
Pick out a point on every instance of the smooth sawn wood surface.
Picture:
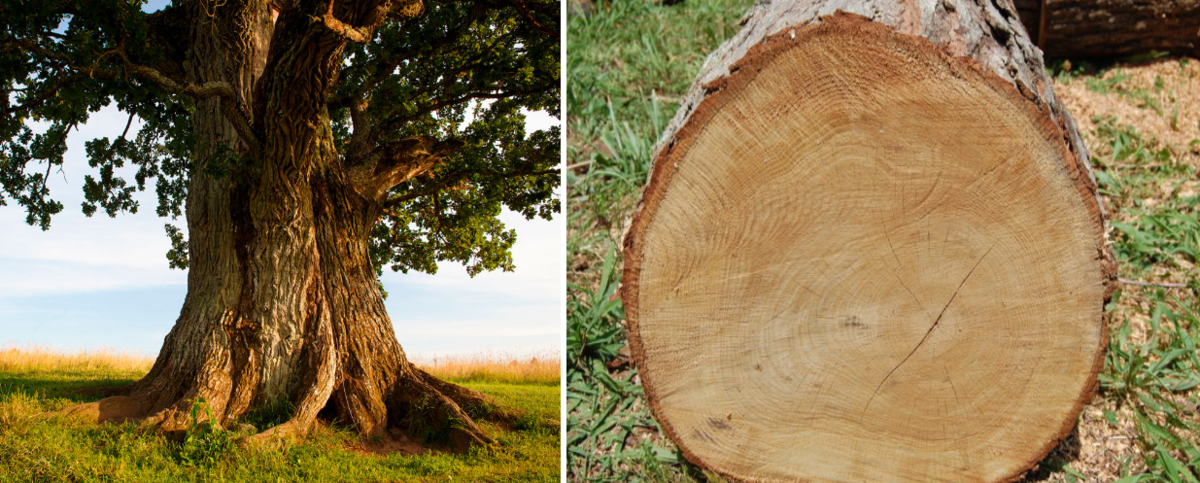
(861, 259)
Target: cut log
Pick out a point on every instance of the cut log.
(1112, 28)
(870, 249)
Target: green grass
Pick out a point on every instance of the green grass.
(1156, 233)
(35, 448)
(629, 64)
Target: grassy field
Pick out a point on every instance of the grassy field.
(631, 60)
(35, 448)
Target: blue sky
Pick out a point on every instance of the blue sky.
(100, 282)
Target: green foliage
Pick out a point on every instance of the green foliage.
(456, 52)
(466, 71)
(204, 444)
(604, 409)
(428, 422)
(270, 415)
(34, 448)
(1133, 169)
(40, 82)
(1156, 230)
(594, 332)
(1153, 380)
(177, 256)
(628, 65)
(1106, 84)
(1064, 71)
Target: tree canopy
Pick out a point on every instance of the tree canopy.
(451, 78)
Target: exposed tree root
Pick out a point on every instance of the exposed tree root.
(425, 411)
(110, 409)
(474, 402)
(419, 404)
(288, 432)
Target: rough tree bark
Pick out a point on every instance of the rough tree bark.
(1112, 28)
(283, 307)
(870, 249)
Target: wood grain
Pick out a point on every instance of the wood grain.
(860, 258)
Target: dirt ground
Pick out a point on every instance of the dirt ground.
(1179, 91)
(1097, 449)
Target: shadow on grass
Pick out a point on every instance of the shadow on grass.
(1067, 451)
(76, 387)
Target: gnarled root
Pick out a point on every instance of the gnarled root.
(417, 403)
(475, 403)
(114, 408)
(425, 411)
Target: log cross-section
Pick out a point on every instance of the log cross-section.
(870, 249)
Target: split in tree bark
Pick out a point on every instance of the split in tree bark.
(871, 249)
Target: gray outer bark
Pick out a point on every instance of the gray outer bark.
(1112, 28)
(205, 354)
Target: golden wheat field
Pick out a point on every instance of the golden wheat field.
(29, 358)
(540, 366)
(498, 366)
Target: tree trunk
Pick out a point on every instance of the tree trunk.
(283, 311)
(870, 249)
(1112, 28)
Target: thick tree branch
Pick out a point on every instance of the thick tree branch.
(344, 31)
(404, 160)
(393, 123)
(223, 90)
(383, 67)
(371, 20)
(360, 138)
(404, 10)
(456, 178)
(198, 92)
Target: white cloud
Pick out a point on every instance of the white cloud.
(126, 241)
(539, 120)
(81, 254)
(537, 255)
(443, 328)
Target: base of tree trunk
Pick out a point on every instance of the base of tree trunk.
(424, 407)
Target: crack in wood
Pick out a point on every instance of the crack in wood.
(910, 292)
(927, 332)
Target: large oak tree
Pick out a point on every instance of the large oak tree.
(308, 144)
